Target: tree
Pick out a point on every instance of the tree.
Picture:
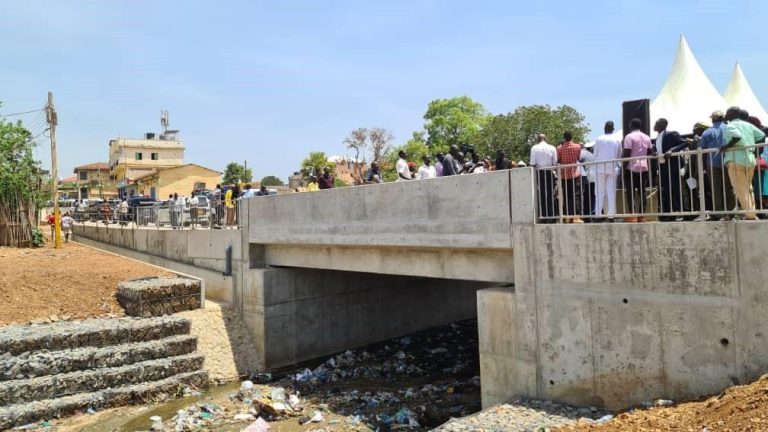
(381, 143)
(453, 121)
(357, 141)
(314, 163)
(516, 132)
(271, 181)
(236, 173)
(21, 185)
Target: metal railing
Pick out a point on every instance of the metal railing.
(686, 185)
(217, 215)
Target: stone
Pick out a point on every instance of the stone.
(157, 296)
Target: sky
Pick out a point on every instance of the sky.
(269, 81)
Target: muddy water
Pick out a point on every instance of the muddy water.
(433, 373)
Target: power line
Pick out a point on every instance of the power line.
(22, 113)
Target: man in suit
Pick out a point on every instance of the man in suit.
(668, 143)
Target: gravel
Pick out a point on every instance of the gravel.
(524, 415)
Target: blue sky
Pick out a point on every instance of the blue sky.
(267, 82)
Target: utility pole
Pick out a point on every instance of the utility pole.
(50, 115)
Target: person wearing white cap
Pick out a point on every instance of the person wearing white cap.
(607, 148)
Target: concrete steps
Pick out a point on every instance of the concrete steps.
(55, 369)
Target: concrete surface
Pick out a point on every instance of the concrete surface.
(301, 314)
(612, 315)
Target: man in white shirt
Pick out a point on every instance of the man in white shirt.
(607, 148)
(426, 171)
(543, 156)
(403, 172)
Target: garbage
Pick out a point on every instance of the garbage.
(278, 394)
(262, 377)
(244, 417)
(246, 387)
(604, 419)
(664, 402)
(294, 402)
(317, 418)
(157, 423)
(258, 426)
(406, 417)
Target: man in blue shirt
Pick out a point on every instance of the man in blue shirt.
(717, 185)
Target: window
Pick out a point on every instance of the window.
(83, 175)
(154, 156)
(139, 156)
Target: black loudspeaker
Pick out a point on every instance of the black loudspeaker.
(641, 109)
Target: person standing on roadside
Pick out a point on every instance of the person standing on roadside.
(607, 150)
(66, 226)
(543, 158)
(450, 162)
(426, 171)
(230, 206)
(439, 164)
(401, 166)
(739, 158)
(325, 181)
(568, 154)
(717, 186)
(637, 145)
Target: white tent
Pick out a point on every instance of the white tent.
(740, 94)
(688, 96)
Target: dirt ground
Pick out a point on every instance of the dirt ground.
(739, 408)
(75, 281)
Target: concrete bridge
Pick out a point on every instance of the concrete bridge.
(598, 314)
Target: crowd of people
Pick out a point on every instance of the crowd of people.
(443, 165)
(581, 181)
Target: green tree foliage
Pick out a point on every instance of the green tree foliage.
(314, 163)
(236, 173)
(21, 186)
(453, 121)
(271, 181)
(516, 132)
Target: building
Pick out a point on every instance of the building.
(181, 179)
(348, 169)
(68, 187)
(94, 180)
(131, 158)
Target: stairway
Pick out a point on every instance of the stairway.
(54, 369)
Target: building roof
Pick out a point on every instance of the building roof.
(688, 96)
(70, 179)
(739, 93)
(93, 166)
(163, 170)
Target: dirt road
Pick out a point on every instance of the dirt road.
(74, 281)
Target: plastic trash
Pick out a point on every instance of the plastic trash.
(244, 417)
(246, 386)
(664, 402)
(262, 377)
(278, 394)
(157, 423)
(406, 417)
(317, 418)
(604, 419)
(294, 402)
(258, 426)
